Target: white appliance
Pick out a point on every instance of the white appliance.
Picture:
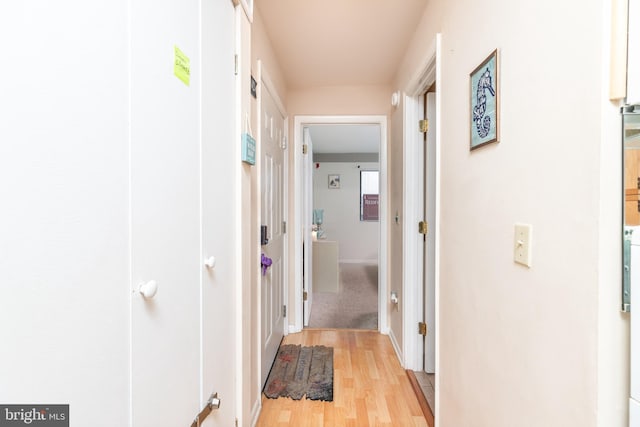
(634, 400)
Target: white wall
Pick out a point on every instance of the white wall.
(523, 346)
(396, 223)
(357, 240)
(613, 325)
(249, 201)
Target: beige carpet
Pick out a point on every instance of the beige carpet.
(355, 306)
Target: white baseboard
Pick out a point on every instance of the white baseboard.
(396, 347)
(358, 261)
(255, 412)
(293, 329)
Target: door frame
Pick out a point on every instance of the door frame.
(299, 123)
(430, 189)
(265, 83)
(305, 227)
(425, 75)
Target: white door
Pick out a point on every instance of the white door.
(217, 259)
(430, 246)
(307, 219)
(165, 215)
(272, 178)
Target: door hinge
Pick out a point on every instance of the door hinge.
(304, 296)
(236, 66)
(423, 125)
(284, 311)
(423, 227)
(284, 227)
(422, 329)
(304, 148)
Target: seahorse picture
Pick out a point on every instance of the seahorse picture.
(484, 102)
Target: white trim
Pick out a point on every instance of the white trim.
(268, 84)
(296, 313)
(201, 320)
(237, 206)
(358, 261)
(410, 239)
(247, 6)
(306, 226)
(285, 216)
(438, 218)
(383, 253)
(299, 121)
(293, 330)
(257, 279)
(255, 412)
(424, 77)
(394, 343)
(425, 73)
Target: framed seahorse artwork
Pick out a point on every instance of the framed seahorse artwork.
(485, 102)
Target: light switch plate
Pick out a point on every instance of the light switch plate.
(522, 244)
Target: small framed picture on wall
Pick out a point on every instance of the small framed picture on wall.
(334, 181)
(485, 102)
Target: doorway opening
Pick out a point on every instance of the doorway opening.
(345, 196)
(427, 250)
(421, 249)
(329, 236)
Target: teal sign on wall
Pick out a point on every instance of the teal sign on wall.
(248, 149)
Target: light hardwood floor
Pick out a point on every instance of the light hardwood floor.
(370, 386)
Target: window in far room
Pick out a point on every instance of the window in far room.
(369, 195)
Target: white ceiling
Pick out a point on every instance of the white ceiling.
(339, 42)
(345, 138)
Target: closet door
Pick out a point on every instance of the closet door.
(220, 160)
(165, 214)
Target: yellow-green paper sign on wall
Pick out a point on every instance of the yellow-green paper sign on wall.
(181, 67)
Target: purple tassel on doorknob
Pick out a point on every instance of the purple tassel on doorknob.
(266, 263)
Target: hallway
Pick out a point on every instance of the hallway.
(370, 386)
(132, 157)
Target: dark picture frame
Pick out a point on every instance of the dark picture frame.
(334, 181)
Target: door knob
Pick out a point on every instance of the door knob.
(148, 289)
(210, 262)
